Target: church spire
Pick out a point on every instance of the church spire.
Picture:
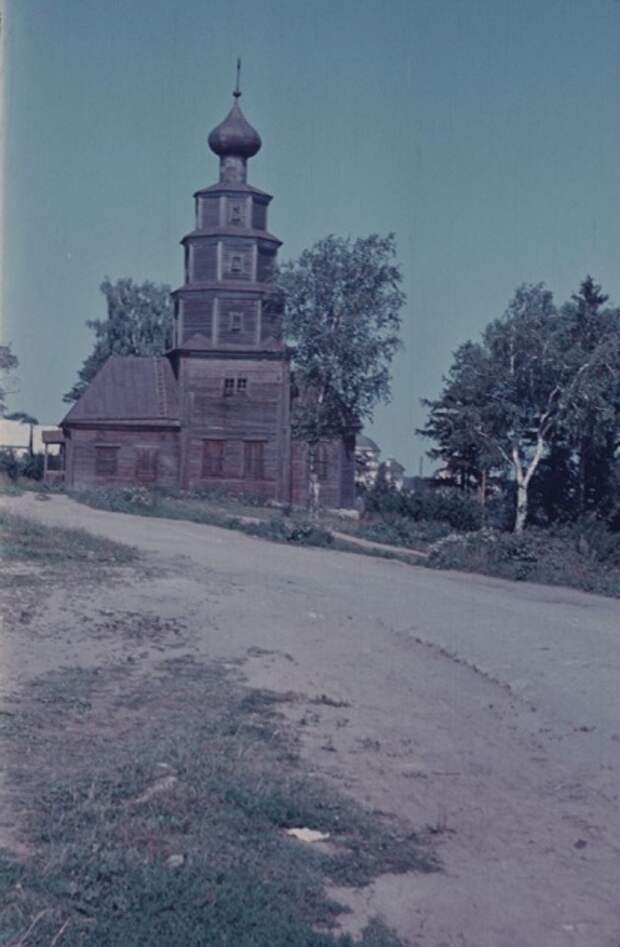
(234, 140)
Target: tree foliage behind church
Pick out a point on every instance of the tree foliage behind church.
(342, 315)
(139, 322)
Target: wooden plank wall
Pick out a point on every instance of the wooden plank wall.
(81, 453)
(255, 414)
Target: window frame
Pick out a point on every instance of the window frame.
(236, 264)
(149, 473)
(213, 463)
(235, 214)
(112, 451)
(235, 323)
(254, 460)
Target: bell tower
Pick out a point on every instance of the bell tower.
(230, 358)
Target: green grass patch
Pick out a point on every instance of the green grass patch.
(159, 815)
(258, 521)
(560, 556)
(24, 539)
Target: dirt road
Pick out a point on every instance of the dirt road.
(487, 710)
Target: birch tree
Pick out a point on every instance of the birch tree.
(510, 393)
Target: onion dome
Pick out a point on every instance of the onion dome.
(235, 136)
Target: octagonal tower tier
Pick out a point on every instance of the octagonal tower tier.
(227, 302)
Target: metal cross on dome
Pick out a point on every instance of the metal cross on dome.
(237, 91)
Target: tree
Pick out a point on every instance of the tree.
(342, 314)
(8, 364)
(452, 422)
(504, 394)
(139, 322)
(533, 386)
(591, 423)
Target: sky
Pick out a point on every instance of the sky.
(484, 134)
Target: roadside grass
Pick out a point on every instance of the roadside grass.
(227, 512)
(24, 539)
(544, 556)
(159, 807)
(394, 531)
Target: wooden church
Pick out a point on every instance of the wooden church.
(214, 411)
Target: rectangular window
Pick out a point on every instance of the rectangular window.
(235, 322)
(213, 458)
(106, 461)
(254, 460)
(229, 387)
(236, 263)
(236, 216)
(146, 464)
(242, 386)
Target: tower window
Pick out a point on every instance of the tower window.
(235, 322)
(213, 458)
(242, 386)
(229, 387)
(236, 263)
(235, 216)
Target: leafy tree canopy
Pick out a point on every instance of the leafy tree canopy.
(342, 314)
(8, 364)
(541, 378)
(139, 322)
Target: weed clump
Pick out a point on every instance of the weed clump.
(21, 538)
(205, 859)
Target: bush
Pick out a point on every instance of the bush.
(441, 505)
(593, 538)
(552, 556)
(129, 499)
(489, 551)
(9, 464)
(403, 531)
(32, 466)
(282, 528)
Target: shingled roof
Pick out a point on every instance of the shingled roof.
(129, 388)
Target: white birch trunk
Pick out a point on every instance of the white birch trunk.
(523, 477)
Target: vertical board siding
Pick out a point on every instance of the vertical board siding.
(131, 448)
(204, 261)
(208, 213)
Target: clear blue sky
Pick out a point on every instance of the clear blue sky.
(484, 133)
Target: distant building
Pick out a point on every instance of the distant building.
(393, 473)
(15, 436)
(366, 462)
(214, 412)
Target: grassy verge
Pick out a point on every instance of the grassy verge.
(159, 810)
(227, 513)
(549, 557)
(23, 539)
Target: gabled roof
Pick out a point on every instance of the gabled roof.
(129, 388)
